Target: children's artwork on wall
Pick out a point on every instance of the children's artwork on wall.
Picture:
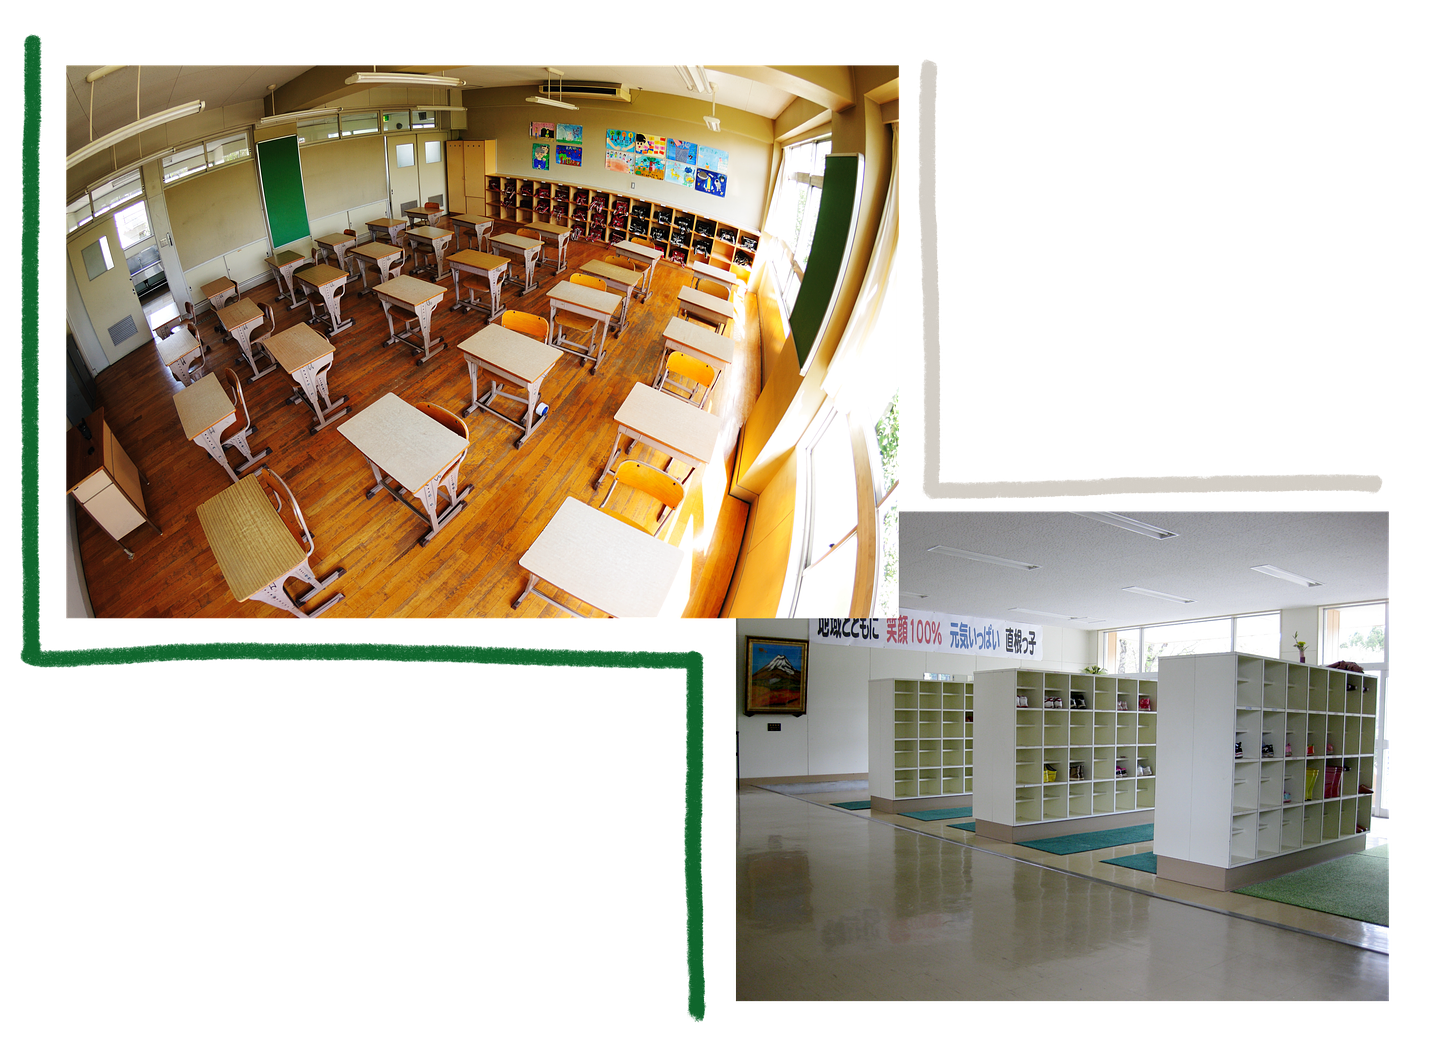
(678, 173)
(650, 167)
(540, 129)
(540, 156)
(682, 151)
(621, 140)
(652, 146)
(566, 155)
(712, 158)
(568, 133)
(712, 183)
(620, 161)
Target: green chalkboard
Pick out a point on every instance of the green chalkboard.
(833, 233)
(282, 179)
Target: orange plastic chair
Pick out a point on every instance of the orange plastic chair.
(683, 375)
(716, 289)
(573, 332)
(526, 323)
(645, 478)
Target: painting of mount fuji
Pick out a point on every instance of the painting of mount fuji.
(778, 676)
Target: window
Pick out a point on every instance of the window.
(1184, 638)
(360, 123)
(793, 215)
(1353, 634)
(316, 130)
(404, 155)
(887, 434)
(200, 157)
(133, 225)
(422, 119)
(104, 197)
(1137, 650)
(434, 151)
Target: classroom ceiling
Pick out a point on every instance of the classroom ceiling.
(120, 96)
(1084, 565)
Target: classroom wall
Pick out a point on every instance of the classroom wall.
(502, 115)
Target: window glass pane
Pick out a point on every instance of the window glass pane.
(97, 257)
(1257, 634)
(221, 152)
(1354, 634)
(1124, 656)
(78, 213)
(422, 119)
(1185, 638)
(828, 587)
(132, 225)
(404, 155)
(314, 130)
(359, 124)
(833, 509)
(434, 151)
(183, 163)
(118, 189)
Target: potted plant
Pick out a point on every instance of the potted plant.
(1299, 644)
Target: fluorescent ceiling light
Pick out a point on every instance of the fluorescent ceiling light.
(1059, 617)
(694, 77)
(712, 120)
(378, 78)
(996, 560)
(111, 139)
(1274, 571)
(547, 101)
(1159, 595)
(1123, 522)
(298, 115)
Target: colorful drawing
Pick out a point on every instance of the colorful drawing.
(679, 173)
(712, 158)
(540, 156)
(568, 133)
(620, 161)
(541, 129)
(651, 146)
(568, 155)
(651, 168)
(712, 183)
(777, 677)
(682, 151)
(621, 140)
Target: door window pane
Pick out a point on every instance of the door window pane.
(434, 151)
(404, 155)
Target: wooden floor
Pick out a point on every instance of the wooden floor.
(471, 569)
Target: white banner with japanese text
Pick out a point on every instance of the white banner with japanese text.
(920, 630)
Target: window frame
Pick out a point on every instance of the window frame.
(1107, 638)
(783, 260)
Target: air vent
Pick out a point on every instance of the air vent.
(122, 330)
(587, 90)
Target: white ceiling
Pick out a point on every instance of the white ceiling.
(1085, 565)
(162, 87)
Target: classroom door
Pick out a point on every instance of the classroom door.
(416, 170)
(98, 268)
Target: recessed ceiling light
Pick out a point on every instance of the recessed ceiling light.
(1015, 564)
(1123, 522)
(1059, 617)
(1159, 595)
(1298, 579)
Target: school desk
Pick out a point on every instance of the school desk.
(662, 422)
(241, 319)
(621, 280)
(702, 270)
(328, 283)
(417, 297)
(465, 223)
(561, 234)
(283, 265)
(219, 292)
(335, 243)
(606, 564)
(257, 552)
(380, 254)
(716, 311)
(488, 266)
(519, 248)
(205, 411)
(684, 336)
(182, 353)
(508, 357)
(598, 306)
(388, 228)
(432, 241)
(427, 214)
(307, 356)
(647, 255)
(404, 444)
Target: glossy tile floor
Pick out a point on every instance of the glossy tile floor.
(841, 905)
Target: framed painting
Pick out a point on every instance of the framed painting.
(778, 676)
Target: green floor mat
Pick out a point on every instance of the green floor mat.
(965, 827)
(1117, 836)
(940, 814)
(1356, 886)
(850, 805)
(1147, 862)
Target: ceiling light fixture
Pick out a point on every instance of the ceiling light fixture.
(695, 78)
(374, 77)
(139, 126)
(1111, 518)
(995, 560)
(1285, 575)
(712, 121)
(1159, 595)
(297, 115)
(546, 100)
(1059, 617)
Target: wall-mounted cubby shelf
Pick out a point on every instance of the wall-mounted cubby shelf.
(921, 740)
(1277, 772)
(1058, 751)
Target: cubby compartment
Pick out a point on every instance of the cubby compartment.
(920, 738)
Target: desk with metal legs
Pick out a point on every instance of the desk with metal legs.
(519, 248)
(435, 239)
(508, 357)
(426, 215)
(336, 243)
(717, 311)
(379, 254)
(388, 228)
(283, 265)
(465, 223)
(241, 319)
(647, 255)
(709, 346)
(599, 306)
(662, 422)
(218, 293)
(205, 410)
(419, 298)
(606, 564)
(402, 443)
(621, 280)
(488, 266)
(558, 232)
(181, 351)
(256, 551)
(701, 270)
(328, 283)
(307, 356)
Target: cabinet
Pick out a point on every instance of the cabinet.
(1062, 751)
(104, 480)
(1270, 767)
(921, 740)
(467, 164)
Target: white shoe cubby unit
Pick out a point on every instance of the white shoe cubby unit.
(1062, 752)
(921, 736)
(1271, 765)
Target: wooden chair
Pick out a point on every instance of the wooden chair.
(682, 376)
(236, 435)
(451, 478)
(189, 315)
(303, 571)
(530, 324)
(194, 361)
(645, 478)
(576, 333)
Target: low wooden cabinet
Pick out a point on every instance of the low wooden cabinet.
(104, 480)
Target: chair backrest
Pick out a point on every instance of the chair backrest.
(659, 485)
(741, 271)
(432, 205)
(280, 490)
(351, 233)
(529, 233)
(717, 290)
(445, 418)
(624, 262)
(526, 323)
(589, 281)
(234, 389)
(641, 240)
(680, 363)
